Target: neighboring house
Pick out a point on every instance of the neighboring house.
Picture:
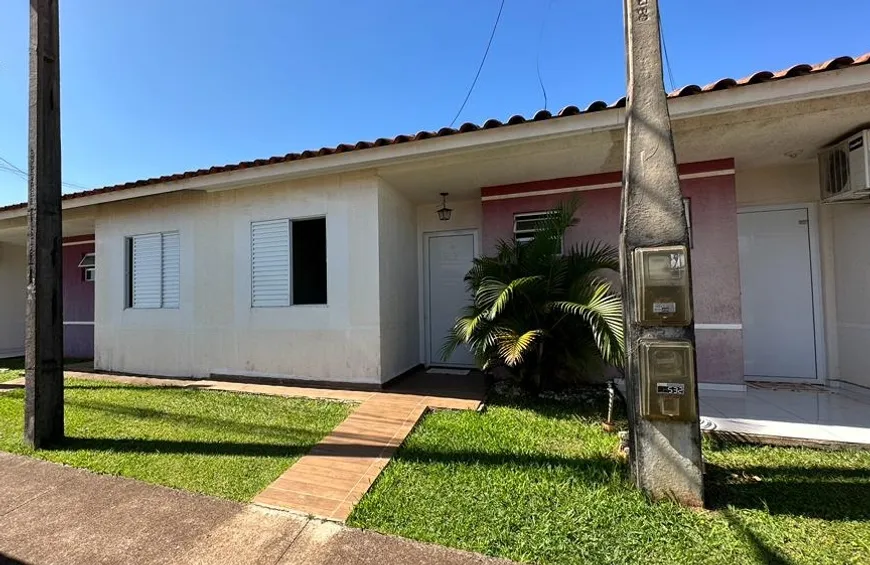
(333, 264)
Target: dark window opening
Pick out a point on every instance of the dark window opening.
(309, 261)
(128, 272)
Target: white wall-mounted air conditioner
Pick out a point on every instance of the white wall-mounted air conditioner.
(844, 169)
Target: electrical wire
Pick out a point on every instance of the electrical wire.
(480, 67)
(5, 169)
(665, 50)
(74, 185)
(12, 168)
(538, 56)
(7, 166)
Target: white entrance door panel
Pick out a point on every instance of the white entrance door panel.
(450, 257)
(779, 337)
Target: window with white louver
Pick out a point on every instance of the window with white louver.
(527, 225)
(146, 271)
(270, 264)
(154, 270)
(171, 272)
(288, 263)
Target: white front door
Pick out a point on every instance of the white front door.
(776, 282)
(449, 258)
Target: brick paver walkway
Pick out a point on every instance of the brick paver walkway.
(338, 471)
(331, 479)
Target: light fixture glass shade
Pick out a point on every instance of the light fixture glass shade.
(444, 212)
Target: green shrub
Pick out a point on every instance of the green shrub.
(545, 316)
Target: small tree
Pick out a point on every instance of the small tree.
(543, 314)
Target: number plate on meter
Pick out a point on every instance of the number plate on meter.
(671, 389)
(664, 307)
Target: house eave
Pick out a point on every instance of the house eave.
(833, 83)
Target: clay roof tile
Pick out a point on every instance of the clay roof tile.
(690, 90)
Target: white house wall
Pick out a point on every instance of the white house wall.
(399, 316)
(215, 330)
(13, 282)
(767, 186)
(851, 236)
(466, 214)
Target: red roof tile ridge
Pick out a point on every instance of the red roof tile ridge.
(725, 83)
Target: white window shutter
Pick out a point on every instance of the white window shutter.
(147, 252)
(270, 264)
(171, 270)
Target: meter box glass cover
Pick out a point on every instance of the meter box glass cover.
(667, 379)
(661, 277)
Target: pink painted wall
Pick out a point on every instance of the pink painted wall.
(78, 300)
(715, 274)
(598, 217)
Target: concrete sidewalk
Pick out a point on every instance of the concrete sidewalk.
(54, 514)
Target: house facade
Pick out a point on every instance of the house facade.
(333, 265)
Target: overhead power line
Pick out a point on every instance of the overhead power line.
(538, 56)
(480, 67)
(7, 166)
(12, 166)
(667, 59)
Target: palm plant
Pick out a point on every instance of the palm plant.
(542, 314)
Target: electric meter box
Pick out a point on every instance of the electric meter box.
(667, 377)
(662, 291)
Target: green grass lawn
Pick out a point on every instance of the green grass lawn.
(541, 483)
(218, 443)
(11, 368)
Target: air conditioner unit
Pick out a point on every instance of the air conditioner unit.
(844, 168)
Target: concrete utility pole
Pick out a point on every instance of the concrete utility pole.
(665, 439)
(43, 405)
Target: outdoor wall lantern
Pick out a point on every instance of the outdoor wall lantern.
(444, 212)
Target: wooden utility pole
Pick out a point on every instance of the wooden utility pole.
(665, 440)
(43, 408)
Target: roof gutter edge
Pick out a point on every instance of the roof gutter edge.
(832, 83)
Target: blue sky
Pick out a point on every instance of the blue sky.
(162, 86)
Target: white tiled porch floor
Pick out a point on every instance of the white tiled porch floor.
(824, 415)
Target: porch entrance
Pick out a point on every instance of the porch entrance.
(447, 258)
(79, 281)
(778, 294)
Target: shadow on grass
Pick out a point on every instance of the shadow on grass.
(17, 363)
(589, 469)
(763, 552)
(12, 363)
(218, 424)
(125, 445)
(802, 473)
(594, 407)
(73, 384)
(592, 470)
(825, 493)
